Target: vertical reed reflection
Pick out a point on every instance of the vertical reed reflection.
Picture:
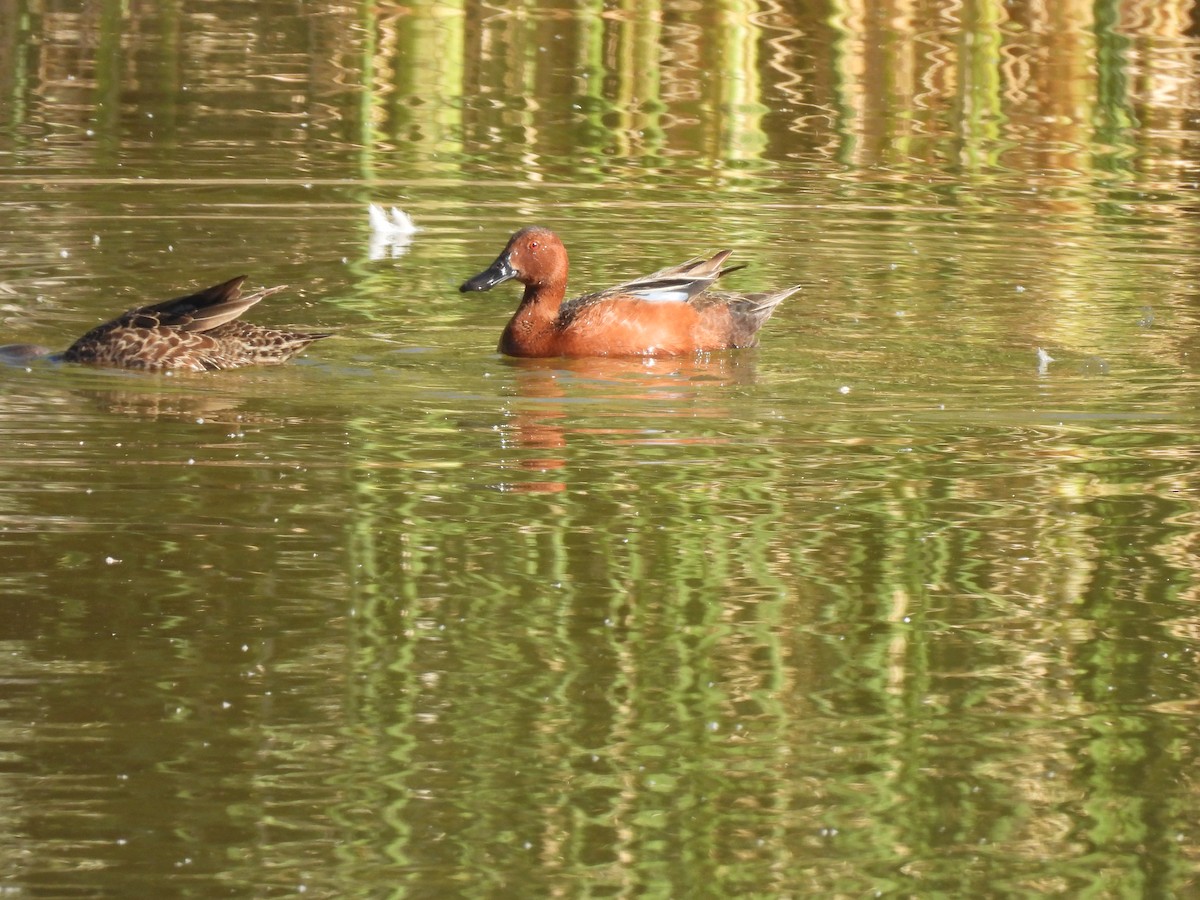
(676, 634)
(983, 85)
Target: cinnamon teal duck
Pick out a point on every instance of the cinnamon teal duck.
(670, 312)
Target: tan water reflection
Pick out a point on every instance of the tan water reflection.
(550, 391)
(1016, 86)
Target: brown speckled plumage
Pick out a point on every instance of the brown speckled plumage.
(197, 333)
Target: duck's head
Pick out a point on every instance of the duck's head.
(534, 256)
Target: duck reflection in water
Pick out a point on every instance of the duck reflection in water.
(553, 392)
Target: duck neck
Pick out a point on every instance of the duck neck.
(545, 297)
(534, 320)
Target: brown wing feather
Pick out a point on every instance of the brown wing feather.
(689, 279)
(198, 332)
(201, 311)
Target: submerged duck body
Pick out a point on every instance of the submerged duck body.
(196, 333)
(668, 313)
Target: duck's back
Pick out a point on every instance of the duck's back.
(671, 311)
(197, 333)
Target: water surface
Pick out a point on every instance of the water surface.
(886, 607)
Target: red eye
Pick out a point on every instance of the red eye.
(533, 245)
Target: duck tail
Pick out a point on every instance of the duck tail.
(764, 304)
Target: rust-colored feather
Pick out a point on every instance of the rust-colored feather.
(669, 312)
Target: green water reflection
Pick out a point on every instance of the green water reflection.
(881, 608)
